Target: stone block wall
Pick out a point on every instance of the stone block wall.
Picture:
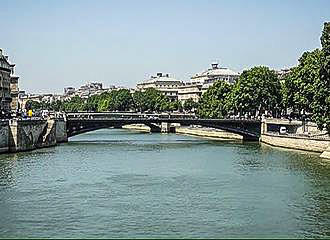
(4, 136)
(61, 133)
(21, 135)
(295, 139)
(30, 134)
(293, 142)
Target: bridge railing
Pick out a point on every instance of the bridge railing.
(84, 115)
(128, 115)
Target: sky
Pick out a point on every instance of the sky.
(56, 44)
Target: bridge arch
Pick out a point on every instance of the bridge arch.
(249, 129)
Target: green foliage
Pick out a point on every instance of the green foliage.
(76, 104)
(120, 100)
(190, 104)
(215, 102)
(256, 89)
(306, 87)
(35, 105)
(152, 100)
(175, 106)
(299, 86)
(288, 89)
(321, 104)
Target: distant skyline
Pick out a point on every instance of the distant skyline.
(56, 44)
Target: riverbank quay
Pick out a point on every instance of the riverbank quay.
(137, 127)
(208, 133)
(17, 135)
(298, 136)
(193, 131)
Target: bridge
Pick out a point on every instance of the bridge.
(82, 122)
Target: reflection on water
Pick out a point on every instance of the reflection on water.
(116, 183)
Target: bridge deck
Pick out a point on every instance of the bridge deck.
(79, 123)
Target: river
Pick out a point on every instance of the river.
(117, 183)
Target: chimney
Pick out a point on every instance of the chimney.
(159, 74)
(167, 75)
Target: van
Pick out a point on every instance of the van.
(283, 130)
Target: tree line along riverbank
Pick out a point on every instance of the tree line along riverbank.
(304, 90)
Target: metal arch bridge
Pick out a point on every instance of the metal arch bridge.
(82, 122)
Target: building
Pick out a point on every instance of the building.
(163, 83)
(8, 85)
(14, 90)
(215, 73)
(190, 90)
(69, 90)
(200, 82)
(84, 91)
(282, 73)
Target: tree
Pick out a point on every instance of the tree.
(140, 101)
(288, 90)
(321, 104)
(121, 100)
(299, 84)
(151, 100)
(257, 89)
(35, 105)
(75, 104)
(214, 103)
(92, 103)
(175, 106)
(190, 104)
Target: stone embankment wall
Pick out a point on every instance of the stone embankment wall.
(4, 136)
(208, 133)
(31, 134)
(296, 142)
(61, 133)
(22, 135)
(301, 137)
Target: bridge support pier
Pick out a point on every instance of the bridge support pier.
(263, 125)
(165, 127)
(154, 128)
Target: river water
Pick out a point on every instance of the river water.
(117, 183)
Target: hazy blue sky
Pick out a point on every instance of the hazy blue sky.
(67, 43)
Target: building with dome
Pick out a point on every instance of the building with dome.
(163, 83)
(200, 82)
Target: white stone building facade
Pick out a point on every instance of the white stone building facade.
(164, 83)
(8, 85)
(200, 82)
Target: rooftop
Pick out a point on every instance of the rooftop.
(160, 78)
(216, 71)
